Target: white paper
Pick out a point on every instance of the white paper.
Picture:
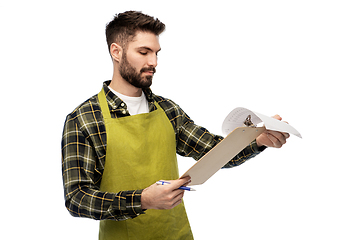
(237, 117)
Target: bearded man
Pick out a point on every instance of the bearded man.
(120, 142)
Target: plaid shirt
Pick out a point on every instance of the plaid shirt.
(84, 152)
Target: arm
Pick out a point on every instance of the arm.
(81, 181)
(247, 153)
(195, 141)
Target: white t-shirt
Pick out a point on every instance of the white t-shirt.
(135, 105)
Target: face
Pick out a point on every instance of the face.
(139, 60)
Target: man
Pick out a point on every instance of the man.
(118, 143)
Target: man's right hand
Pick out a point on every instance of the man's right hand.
(163, 196)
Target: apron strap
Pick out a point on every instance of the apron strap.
(103, 104)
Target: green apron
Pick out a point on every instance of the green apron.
(141, 150)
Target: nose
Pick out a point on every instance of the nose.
(153, 60)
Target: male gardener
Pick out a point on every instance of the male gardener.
(118, 143)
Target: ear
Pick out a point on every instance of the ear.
(116, 52)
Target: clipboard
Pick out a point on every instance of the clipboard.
(222, 153)
(241, 127)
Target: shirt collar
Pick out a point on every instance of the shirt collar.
(117, 104)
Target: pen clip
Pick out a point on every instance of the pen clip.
(162, 182)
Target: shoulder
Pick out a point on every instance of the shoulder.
(173, 111)
(169, 106)
(86, 114)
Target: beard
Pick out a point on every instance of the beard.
(129, 73)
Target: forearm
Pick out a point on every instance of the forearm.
(200, 142)
(82, 195)
(99, 205)
(247, 153)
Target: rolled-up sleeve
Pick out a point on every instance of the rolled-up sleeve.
(195, 141)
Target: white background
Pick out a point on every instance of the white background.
(272, 57)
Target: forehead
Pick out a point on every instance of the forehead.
(145, 39)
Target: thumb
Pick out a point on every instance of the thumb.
(183, 181)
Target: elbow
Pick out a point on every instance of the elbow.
(72, 208)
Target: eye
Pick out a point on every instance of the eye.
(143, 53)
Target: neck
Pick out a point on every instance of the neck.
(122, 86)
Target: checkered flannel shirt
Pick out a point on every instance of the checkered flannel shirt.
(84, 151)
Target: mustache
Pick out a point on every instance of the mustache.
(149, 69)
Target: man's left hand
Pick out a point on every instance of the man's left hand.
(271, 138)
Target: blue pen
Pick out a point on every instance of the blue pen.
(182, 187)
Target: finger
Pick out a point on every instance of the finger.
(187, 178)
(182, 182)
(275, 142)
(176, 203)
(180, 194)
(281, 136)
(278, 117)
(177, 196)
(187, 183)
(286, 135)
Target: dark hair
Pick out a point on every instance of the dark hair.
(122, 29)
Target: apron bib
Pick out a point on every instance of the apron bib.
(141, 150)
